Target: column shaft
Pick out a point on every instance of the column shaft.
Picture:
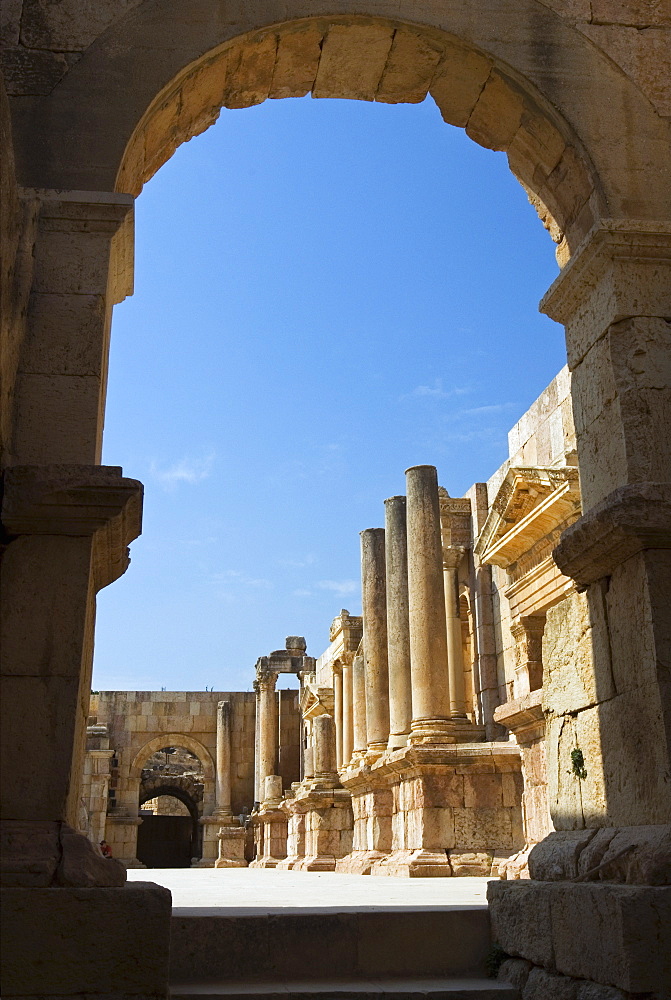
(359, 732)
(398, 626)
(374, 608)
(338, 710)
(266, 723)
(223, 787)
(347, 714)
(426, 607)
(455, 653)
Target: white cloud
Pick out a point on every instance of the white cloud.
(492, 408)
(436, 391)
(340, 587)
(309, 560)
(243, 579)
(301, 593)
(187, 470)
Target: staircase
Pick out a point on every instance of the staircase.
(435, 952)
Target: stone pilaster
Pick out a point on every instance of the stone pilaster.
(374, 608)
(426, 609)
(398, 623)
(68, 529)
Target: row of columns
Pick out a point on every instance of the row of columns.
(409, 683)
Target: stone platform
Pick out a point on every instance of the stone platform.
(248, 890)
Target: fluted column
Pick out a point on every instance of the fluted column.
(223, 785)
(426, 608)
(347, 714)
(359, 733)
(398, 627)
(374, 609)
(338, 711)
(266, 727)
(455, 652)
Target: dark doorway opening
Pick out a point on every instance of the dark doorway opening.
(165, 841)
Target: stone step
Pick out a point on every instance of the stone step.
(354, 944)
(379, 989)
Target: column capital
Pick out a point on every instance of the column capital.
(77, 500)
(452, 556)
(621, 269)
(630, 519)
(265, 676)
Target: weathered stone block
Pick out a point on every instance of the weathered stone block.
(520, 912)
(409, 70)
(40, 959)
(458, 83)
(298, 54)
(353, 59)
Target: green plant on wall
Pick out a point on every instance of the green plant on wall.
(578, 764)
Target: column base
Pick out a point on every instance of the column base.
(60, 943)
(316, 863)
(414, 864)
(265, 862)
(437, 732)
(359, 862)
(287, 864)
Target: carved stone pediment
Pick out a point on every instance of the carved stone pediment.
(315, 701)
(530, 504)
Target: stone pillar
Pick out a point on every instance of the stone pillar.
(374, 608)
(347, 714)
(614, 298)
(338, 711)
(68, 528)
(455, 654)
(398, 624)
(323, 734)
(266, 727)
(359, 731)
(426, 609)
(223, 785)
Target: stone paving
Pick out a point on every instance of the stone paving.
(242, 890)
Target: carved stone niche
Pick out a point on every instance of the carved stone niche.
(528, 635)
(531, 509)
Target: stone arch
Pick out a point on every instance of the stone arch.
(182, 786)
(170, 740)
(390, 62)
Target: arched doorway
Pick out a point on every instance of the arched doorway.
(170, 807)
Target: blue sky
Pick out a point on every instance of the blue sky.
(326, 292)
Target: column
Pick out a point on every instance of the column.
(452, 556)
(338, 710)
(266, 726)
(347, 714)
(359, 731)
(374, 610)
(426, 608)
(69, 527)
(398, 626)
(223, 786)
(323, 735)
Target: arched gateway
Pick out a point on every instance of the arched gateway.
(96, 103)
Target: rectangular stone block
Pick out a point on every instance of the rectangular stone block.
(483, 828)
(353, 59)
(409, 70)
(74, 942)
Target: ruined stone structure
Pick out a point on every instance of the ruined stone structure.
(577, 94)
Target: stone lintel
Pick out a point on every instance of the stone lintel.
(621, 269)
(524, 716)
(629, 520)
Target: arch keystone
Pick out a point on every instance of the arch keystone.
(353, 60)
(297, 62)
